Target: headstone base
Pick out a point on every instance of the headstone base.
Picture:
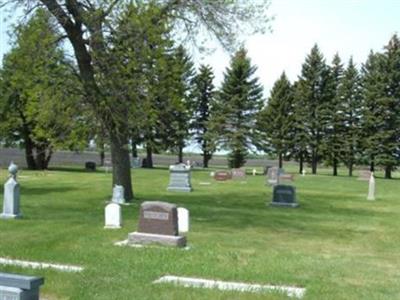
(281, 204)
(112, 227)
(179, 189)
(10, 216)
(13, 293)
(148, 238)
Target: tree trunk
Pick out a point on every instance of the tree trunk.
(30, 159)
(388, 172)
(351, 168)
(121, 163)
(301, 163)
(40, 157)
(280, 160)
(48, 158)
(149, 157)
(205, 159)
(102, 157)
(372, 164)
(314, 161)
(180, 154)
(335, 166)
(134, 149)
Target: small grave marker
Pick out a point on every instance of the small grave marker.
(113, 219)
(90, 166)
(118, 194)
(222, 175)
(183, 220)
(239, 174)
(136, 163)
(272, 176)
(284, 195)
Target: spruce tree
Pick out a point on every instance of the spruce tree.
(350, 113)
(202, 102)
(276, 120)
(333, 142)
(372, 118)
(315, 92)
(239, 100)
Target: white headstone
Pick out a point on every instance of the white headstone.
(118, 194)
(113, 218)
(371, 187)
(254, 172)
(303, 173)
(183, 219)
(11, 195)
(212, 174)
(273, 176)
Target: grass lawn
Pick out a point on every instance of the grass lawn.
(336, 244)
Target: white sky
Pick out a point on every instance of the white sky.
(350, 27)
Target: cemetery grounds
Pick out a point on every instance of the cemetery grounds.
(337, 244)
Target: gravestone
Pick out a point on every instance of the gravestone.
(107, 165)
(180, 178)
(113, 219)
(222, 175)
(239, 174)
(118, 194)
(183, 219)
(11, 195)
(371, 187)
(19, 287)
(364, 175)
(273, 176)
(284, 195)
(90, 166)
(266, 168)
(136, 163)
(158, 223)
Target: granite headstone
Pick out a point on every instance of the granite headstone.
(19, 287)
(284, 195)
(180, 178)
(222, 175)
(158, 223)
(90, 166)
(11, 199)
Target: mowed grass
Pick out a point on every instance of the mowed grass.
(336, 244)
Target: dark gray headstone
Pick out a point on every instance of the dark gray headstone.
(180, 178)
(284, 195)
(90, 166)
(19, 287)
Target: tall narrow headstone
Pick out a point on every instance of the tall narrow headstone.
(113, 218)
(183, 219)
(118, 194)
(11, 195)
(371, 187)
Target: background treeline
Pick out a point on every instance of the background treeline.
(337, 113)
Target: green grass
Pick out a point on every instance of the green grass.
(337, 244)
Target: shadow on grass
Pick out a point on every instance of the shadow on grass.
(38, 191)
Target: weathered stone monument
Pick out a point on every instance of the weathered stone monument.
(113, 217)
(19, 287)
(284, 195)
(90, 166)
(371, 187)
(158, 224)
(11, 195)
(239, 174)
(118, 194)
(222, 175)
(136, 163)
(273, 176)
(183, 220)
(180, 178)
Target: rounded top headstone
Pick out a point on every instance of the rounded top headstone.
(13, 169)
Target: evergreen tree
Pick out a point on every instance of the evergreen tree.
(239, 101)
(333, 141)
(350, 113)
(276, 120)
(315, 93)
(202, 102)
(372, 119)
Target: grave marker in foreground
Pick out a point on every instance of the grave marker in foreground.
(19, 287)
(158, 223)
(113, 218)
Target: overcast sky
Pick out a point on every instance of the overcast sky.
(350, 27)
